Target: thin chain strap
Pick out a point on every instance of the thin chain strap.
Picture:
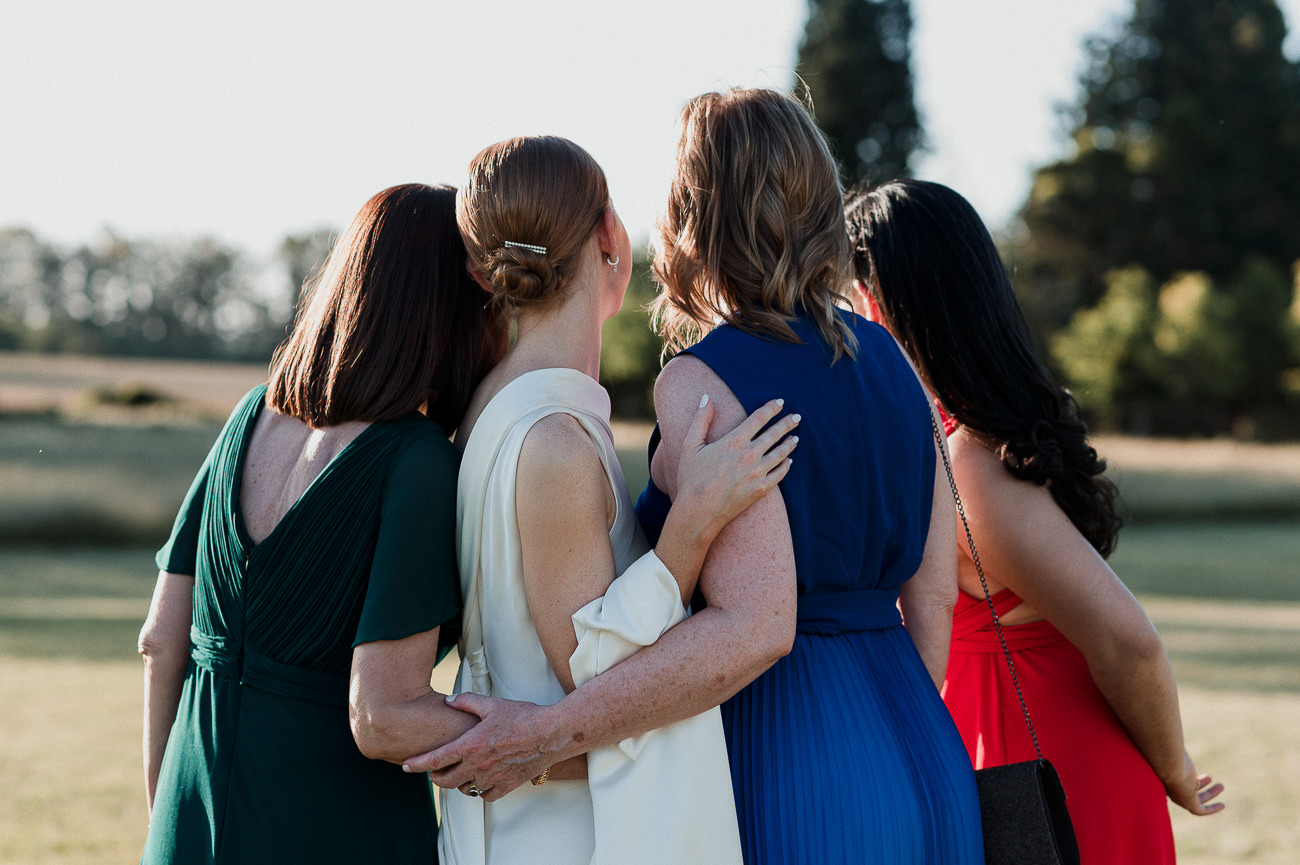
(997, 623)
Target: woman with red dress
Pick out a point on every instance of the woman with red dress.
(1091, 666)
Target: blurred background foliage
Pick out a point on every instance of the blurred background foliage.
(1157, 260)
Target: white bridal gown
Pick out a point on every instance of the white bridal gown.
(660, 798)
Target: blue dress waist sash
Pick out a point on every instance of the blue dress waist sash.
(841, 612)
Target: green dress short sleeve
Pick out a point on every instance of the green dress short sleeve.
(180, 554)
(413, 584)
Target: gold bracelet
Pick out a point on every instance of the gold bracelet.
(542, 778)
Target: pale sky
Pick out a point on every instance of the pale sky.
(247, 120)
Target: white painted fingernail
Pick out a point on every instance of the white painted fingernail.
(796, 417)
(406, 768)
(704, 400)
(780, 402)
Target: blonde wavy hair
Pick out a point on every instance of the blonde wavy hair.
(754, 231)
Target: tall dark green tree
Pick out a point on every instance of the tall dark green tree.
(1187, 147)
(855, 60)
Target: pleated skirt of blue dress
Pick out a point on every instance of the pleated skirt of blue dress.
(843, 752)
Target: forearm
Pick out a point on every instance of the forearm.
(927, 600)
(395, 731)
(683, 543)
(928, 621)
(164, 677)
(692, 668)
(1143, 694)
(164, 644)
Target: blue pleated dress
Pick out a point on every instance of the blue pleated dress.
(843, 751)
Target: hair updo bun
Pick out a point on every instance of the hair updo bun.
(543, 191)
(522, 277)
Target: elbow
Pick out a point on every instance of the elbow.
(775, 650)
(1143, 648)
(1130, 653)
(775, 643)
(942, 600)
(930, 604)
(371, 731)
(163, 651)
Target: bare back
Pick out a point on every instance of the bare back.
(285, 456)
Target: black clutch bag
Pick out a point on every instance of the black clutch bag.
(1022, 805)
(1022, 810)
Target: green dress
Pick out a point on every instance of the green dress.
(260, 764)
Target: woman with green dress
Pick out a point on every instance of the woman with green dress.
(313, 563)
(311, 570)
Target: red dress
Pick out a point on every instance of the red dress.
(1116, 802)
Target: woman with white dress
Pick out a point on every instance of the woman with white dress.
(546, 523)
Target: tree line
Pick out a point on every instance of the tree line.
(1158, 260)
(194, 298)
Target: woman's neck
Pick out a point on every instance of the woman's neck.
(567, 336)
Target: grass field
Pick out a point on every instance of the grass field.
(69, 720)
(86, 493)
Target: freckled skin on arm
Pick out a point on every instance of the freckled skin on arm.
(565, 509)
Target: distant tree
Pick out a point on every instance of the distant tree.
(1293, 330)
(1188, 356)
(1106, 353)
(30, 279)
(206, 301)
(855, 60)
(1258, 298)
(173, 299)
(1187, 142)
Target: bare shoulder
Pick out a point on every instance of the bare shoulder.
(557, 445)
(683, 382)
(560, 473)
(983, 480)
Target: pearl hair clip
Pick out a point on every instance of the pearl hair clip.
(540, 250)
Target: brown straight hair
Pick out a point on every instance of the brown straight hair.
(392, 322)
(754, 231)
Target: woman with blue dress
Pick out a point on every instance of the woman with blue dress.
(839, 745)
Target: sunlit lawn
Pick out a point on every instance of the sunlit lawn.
(70, 716)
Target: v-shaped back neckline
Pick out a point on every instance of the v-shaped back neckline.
(247, 544)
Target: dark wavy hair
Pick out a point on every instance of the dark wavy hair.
(927, 261)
